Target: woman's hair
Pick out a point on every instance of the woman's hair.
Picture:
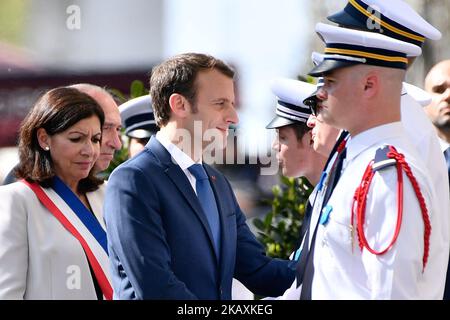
(56, 111)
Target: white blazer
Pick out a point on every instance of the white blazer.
(39, 258)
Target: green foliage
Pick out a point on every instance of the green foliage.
(118, 95)
(137, 89)
(280, 228)
(13, 21)
(307, 78)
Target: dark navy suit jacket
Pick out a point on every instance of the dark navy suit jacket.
(160, 244)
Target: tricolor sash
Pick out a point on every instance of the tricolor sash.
(82, 224)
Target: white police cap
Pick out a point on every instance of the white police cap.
(137, 117)
(393, 18)
(290, 108)
(418, 94)
(317, 57)
(347, 47)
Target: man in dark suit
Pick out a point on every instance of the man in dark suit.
(437, 83)
(175, 229)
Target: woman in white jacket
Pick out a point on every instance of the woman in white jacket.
(52, 236)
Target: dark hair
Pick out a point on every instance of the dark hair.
(56, 111)
(178, 75)
(300, 129)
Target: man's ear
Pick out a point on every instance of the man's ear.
(43, 138)
(371, 84)
(179, 105)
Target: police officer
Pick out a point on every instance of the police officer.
(139, 122)
(396, 19)
(437, 83)
(295, 148)
(295, 152)
(364, 255)
(323, 138)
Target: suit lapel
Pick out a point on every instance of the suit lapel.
(182, 183)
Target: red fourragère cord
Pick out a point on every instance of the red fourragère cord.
(360, 199)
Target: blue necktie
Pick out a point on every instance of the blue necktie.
(207, 200)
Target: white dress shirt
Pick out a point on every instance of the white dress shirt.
(444, 145)
(179, 157)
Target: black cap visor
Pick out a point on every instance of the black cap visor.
(327, 66)
(311, 102)
(344, 19)
(139, 133)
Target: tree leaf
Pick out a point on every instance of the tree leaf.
(137, 89)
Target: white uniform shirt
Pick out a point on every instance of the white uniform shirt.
(316, 196)
(342, 270)
(423, 136)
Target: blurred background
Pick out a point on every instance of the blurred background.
(48, 43)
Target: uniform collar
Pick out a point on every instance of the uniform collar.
(444, 144)
(403, 90)
(373, 136)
